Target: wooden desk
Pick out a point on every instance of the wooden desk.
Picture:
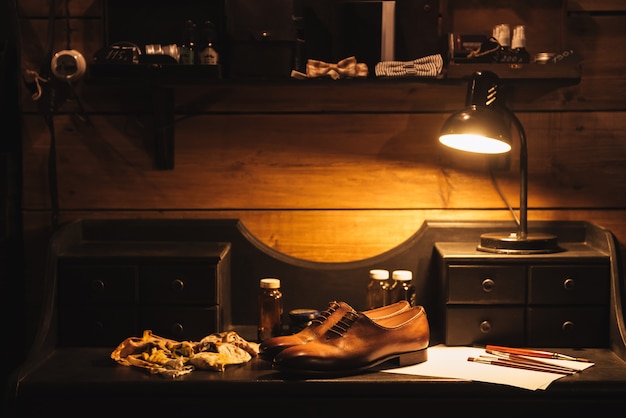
(84, 381)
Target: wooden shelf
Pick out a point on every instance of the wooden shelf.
(180, 74)
(532, 71)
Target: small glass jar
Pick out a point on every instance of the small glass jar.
(378, 289)
(403, 288)
(270, 303)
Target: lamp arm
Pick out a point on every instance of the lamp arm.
(522, 232)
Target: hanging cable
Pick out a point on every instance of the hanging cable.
(78, 70)
(68, 29)
(48, 108)
(52, 173)
(494, 181)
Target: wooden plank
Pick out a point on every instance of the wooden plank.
(321, 161)
(596, 5)
(593, 93)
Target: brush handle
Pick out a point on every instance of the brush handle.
(533, 353)
(517, 365)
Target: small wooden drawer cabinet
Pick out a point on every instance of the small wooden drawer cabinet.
(541, 300)
(110, 291)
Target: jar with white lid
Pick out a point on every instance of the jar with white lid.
(270, 309)
(378, 289)
(403, 287)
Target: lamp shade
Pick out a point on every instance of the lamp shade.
(477, 129)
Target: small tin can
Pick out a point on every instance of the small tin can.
(301, 318)
(544, 57)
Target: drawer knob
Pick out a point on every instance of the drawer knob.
(97, 285)
(568, 284)
(485, 327)
(488, 285)
(568, 326)
(177, 285)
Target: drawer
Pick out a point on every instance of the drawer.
(97, 284)
(178, 284)
(475, 284)
(96, 326)
(485, 325)
(568, 327)
(180, 323)
(569, 284)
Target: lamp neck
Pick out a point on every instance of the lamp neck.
(522, 231)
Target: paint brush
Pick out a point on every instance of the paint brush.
(527, 360)
(530, 363)
(534, 353)
(513, 365)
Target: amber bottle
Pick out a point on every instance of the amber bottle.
(270, 309)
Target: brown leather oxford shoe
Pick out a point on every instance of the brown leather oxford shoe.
(356, 344)
(328, 318)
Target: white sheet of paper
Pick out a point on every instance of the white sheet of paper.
(451, 362)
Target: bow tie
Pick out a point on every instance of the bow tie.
(346, 68)
(428, 66)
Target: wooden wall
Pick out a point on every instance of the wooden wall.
(324, 171)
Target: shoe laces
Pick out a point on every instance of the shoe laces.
(344, 324)
(324, 315)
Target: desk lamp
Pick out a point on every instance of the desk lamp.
(482, 127)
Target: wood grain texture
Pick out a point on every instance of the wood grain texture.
(321, 161)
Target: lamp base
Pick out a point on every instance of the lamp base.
(512, 244)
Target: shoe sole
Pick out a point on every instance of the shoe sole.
(389, 362)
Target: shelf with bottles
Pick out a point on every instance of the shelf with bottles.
(469, 24)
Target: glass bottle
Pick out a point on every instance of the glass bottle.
(378, 289)
(403, 288)
(518, 44)
(502, 33)
(208, 54)
(188, 53)
(270, 304)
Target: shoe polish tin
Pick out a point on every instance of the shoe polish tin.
(301, 318)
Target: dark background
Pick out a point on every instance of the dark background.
(11, 280)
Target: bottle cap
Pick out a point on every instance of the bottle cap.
(402, 275)
(379, 274)
(270, 283)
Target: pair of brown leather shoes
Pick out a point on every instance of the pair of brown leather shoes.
(355, 343)
(336, 310)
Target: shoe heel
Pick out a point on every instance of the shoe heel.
(414, 357)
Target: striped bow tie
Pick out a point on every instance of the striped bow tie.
(428, 66)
